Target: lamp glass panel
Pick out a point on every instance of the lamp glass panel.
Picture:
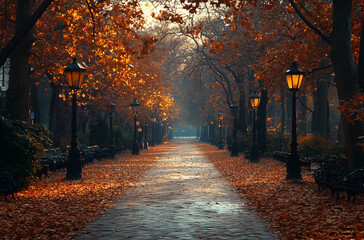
(75, 79)
(82, 76)
(255, 102)
(294, 81)
(289, 81)
(69, 78)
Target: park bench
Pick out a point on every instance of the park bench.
(87, 155)
(334, 174)
(284, 156)
(355, 184)
(121, 149)
(280, 156)
(44, 169)
(7, 185)
(97, 152)
(53, 159)
(105, 152)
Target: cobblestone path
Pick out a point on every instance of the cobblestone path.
(183, 197)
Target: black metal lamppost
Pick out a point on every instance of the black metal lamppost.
(212, 132)
(111, 109)
(234, 147)
(75, 74)
(135, 108)
(153, 118)
(254, 151)
(221, 118)
(294, 78)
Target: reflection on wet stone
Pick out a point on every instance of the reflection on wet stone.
(183, 197)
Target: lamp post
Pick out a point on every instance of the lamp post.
(294, 78)
(111, 109)
(221, 118)
(75, 74)
(135, 108)
(234, 147)
(206, 132)
(212, 132)
(254, 151)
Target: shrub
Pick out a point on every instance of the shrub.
(277, 141)
(244, 141)
(84, 138)
(20, 146)
(337, 149)
(122, 139)
(99, 133)
(312, 144)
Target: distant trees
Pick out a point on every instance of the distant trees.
(316, 34)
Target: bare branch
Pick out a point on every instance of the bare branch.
(19, 35)
(308, 23)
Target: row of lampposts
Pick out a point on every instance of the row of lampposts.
(294, 78)
(156, 138)
(75, 74)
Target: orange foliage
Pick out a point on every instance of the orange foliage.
(353, 109)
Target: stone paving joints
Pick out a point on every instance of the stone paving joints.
(182, 197)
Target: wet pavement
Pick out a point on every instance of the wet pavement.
(183, 197)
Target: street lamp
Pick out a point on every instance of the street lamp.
(294, 78)
(111, 109)
(221, 118)
(234, 147)
(153, 117)
(75, 74)
(254, 151)
(135, 109)
(212, 132)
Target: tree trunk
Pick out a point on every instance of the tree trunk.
(18, 92)
(262, 121)
(242, 125)
(283, 120)
(34, 104)
(345, 76)
(361, 60)
(302, 116)
(54, 116)
(320, 115)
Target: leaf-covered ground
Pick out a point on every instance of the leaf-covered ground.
(296, 210)
(53, 208)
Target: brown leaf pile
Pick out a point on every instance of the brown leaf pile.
(53, 208)
(295, 210)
